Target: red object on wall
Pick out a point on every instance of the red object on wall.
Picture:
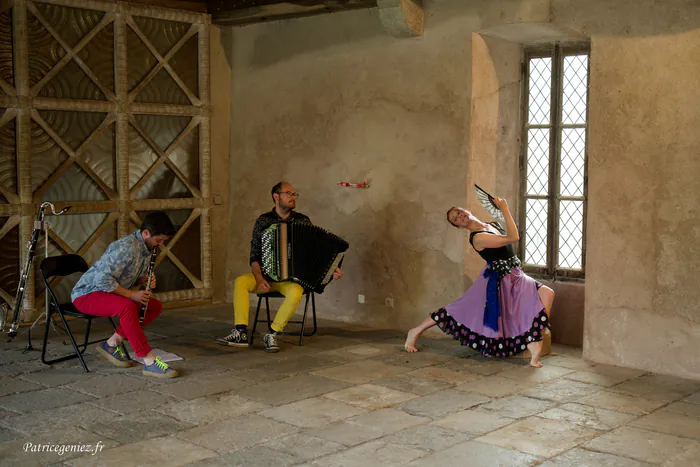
(364, 184)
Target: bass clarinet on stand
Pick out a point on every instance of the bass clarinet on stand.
(149, 279)
(31, 249)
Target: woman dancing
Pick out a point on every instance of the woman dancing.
(505, 311)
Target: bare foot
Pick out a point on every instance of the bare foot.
(535, 350)
(411, 340)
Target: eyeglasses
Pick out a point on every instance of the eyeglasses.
(289, 193)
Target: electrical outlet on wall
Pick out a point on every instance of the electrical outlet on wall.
(360, 298)
(389, 302)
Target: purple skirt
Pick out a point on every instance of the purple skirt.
(523, 318)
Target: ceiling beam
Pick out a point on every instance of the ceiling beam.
(241, 12)
(199, 6)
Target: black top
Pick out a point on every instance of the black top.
(491, 254)
(266, 220)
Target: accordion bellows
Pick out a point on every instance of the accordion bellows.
(302, 253)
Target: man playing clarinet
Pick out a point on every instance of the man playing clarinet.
(106, 290)
(285, 197)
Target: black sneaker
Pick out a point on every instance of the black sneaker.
(235, 339)
(271, 344)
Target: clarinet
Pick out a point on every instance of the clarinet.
(26, 270)
(151, 270)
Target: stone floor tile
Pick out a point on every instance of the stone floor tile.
(207, 385)
(658, 387)
(7, 413)
(11, 370)
(413, 360)
(427, 438)
(618, 371)
(464, 396)
(387, 420)
(539, 375)
(370, 396)
(567, 350)
(439, 404)
(137, 427)
(369, 334)
(693, 398)
(443, 375)
(375, 453)
(539, 436)
(291, 389)
(16, 385)
(590, 417)
(321, 343)
(683, 408)
(479, 366)
(259, 376)
(358, 352)
(211, 409)
(578, 457)
(104, 386)
(621, 403)
(299, 364)
(7, 434)
(564, 361)
(642, 445)
(413, 384)
(160, 452)
(596, 378)
(516, 406)
(133, 402)
(687, 458)
(314, 412)
(55, 377)
(347, 434)
(13, 453)
(361, 372)
(473, 422)
(303, 446)
(494, 386)
(476, 454)
(670, 423)
(244, 359)
(561, 390)
(236, 433)
(442, 344)
(60, 418)
(248, 457)
(43, 399)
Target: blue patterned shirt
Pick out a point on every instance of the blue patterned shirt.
(124, 261)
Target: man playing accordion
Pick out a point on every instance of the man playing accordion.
(284, 197)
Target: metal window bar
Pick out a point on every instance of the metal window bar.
(551, 270)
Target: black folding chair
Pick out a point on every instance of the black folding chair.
(59, 266)
(267, 296)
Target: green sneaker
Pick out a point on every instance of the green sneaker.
(159, 369)
(114, 354)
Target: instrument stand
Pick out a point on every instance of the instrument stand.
(44, 226)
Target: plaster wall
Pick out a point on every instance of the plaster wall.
(220, 143)
(641, 290)
(330, 98)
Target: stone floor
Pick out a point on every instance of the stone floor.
(348, 397)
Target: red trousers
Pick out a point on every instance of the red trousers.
(109, 304)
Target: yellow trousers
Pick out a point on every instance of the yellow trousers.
(245, 285)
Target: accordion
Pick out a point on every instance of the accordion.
(302, 253)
